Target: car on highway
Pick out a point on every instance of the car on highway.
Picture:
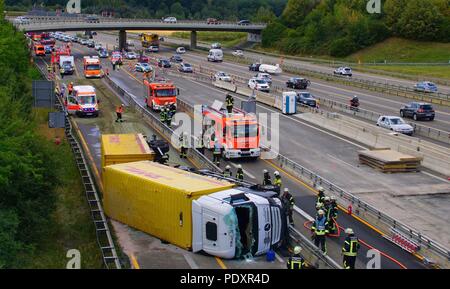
(238, 53)
(103, 53)
(84, 41)
(212, 21)
(131, 55)
(264, 76)
(48, 49)
(258, 84)
(425, 86)
(395, 123)
(305, 98)
(223, 76)
(344, 71)
(143, 59)
(76, 39)
(165, 63)
(153, 49)
(143, 67)
(181, 50)
(170, 20)
(92, 19)
(216, 45)
(176, 58)
(244, 22)
(254, 66)
(98, 46)
(418, 110)
(66, 38)
(116, 57)
(91, 44)
(22, 20)
(185, 67)
(297, 83)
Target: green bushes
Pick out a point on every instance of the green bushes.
(28, 170)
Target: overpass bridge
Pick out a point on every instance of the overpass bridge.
(58, 23)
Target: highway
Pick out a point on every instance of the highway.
(372, 101)
(324, 68)
(312, 142)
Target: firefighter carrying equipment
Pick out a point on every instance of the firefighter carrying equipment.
(350, 250)
(240, 173)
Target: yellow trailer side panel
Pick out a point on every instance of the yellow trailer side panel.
(155, 198)
(123, 148)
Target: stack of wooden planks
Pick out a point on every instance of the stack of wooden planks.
(389, 161)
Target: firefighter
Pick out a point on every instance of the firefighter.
(119, 111)
(332, 215)
(266, 178)
(183, 143)
(289, 203)
(350, 249)
(319, 230)
(163, 115)
(200, 144)
(240, 173)
(229, 102)
(321, 195)
(70, 88)
(296, 261)
(326, 206)
(61, 72)
(168, 117)
(227, 172)
(217, 152)
(173, 109)
(49, 68)
(277, 180)
(319, 206)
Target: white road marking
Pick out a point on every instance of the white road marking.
(279, 258)
(436, 177)
(246, 173)
(190, 261)
(341, 161)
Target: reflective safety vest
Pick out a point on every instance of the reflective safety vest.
(295, 262)
(200, 143)
(163, 115)
(240, 174)
(351, 246)
(277, 181)
(119, 109)
(227, 173)
(217, 149)
(183, 141)
(229, 101)
(288, 198)
(320, 198)
(320, 226)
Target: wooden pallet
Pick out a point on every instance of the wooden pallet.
(388, 161)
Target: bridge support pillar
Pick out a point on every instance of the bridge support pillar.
(122, 39)
(193, 39)
(254, 37)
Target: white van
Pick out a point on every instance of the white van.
(215, 55)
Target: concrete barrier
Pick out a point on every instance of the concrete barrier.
(225, 85)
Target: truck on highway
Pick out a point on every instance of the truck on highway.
(194, 211)
(67, 63)
(58, 52)
(92, 67)
(149, 39)
(160, 94)
(39, 49)
(237, 132)
(215, 55)
(83, 101)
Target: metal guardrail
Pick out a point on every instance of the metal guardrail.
(103, 234)
(401, 91)
(317, 180)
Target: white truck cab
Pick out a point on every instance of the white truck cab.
(215, 55)
(237, 222)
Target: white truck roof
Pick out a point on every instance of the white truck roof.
(84, 89)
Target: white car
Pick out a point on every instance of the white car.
(170, 20)
(264, 76)
(22, 20)
(238, 53)
(143, 67)
(153, 48)
(216, 46)
(344, 71)
(396, 124)
(258, 84)
(181, 50)
(223, 76)
(98, 46)
(272, 69)
(131, 55)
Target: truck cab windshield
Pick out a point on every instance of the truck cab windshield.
(92, 67)
(87, 99)
(245, 130)
(165, 92)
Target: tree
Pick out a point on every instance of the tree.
(296, 10)
(177, 10)
(264, 14)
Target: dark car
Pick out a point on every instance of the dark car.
(67, 67)
(244, 22)
(418, 110)
(176, 58)
(212, 21)
(298, 83)
(254, 66)
(164, 63)
(306, 99)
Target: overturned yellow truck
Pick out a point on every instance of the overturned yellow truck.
(194, 211)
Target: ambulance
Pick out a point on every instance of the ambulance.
(92, 67)
(83, 101)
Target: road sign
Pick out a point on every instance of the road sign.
(56, 119)
(43, 93)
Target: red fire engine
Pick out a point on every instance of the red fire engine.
(160, 94)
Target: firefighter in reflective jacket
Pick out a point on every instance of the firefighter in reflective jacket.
(183, 144)
(296, 261)
(350, 249)
(332, 215)
(168, 117)
(229, 102)
(240, 173)
(70, 88)
(289, 202)
(321, 195)
(277, 179)
(119, 111)
(227, 172)
(266, 178)
(163, 115)
(319, 229)
(200, 145)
